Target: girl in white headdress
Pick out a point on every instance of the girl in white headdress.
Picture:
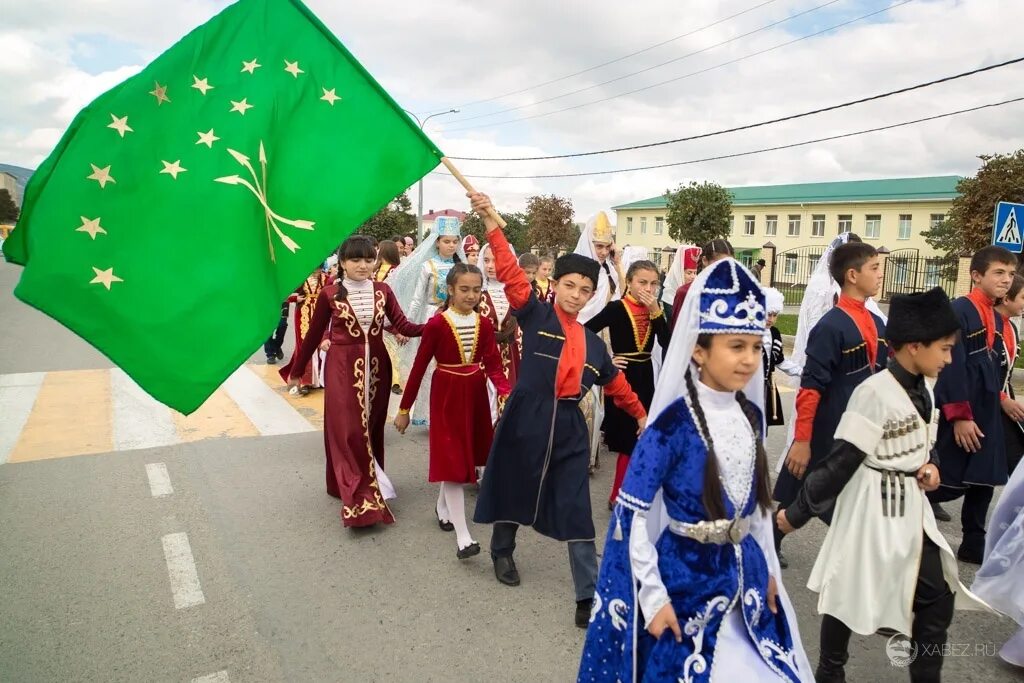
(494, 305)
(690, 588)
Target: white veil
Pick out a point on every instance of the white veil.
(631, 255)
(585, 247)
(671, 386)
(483, 268)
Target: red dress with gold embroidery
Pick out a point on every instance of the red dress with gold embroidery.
(308, 292)
(495, 307)
(460, 416)
(358, 382)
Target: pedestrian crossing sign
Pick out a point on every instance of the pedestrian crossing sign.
(1006, 229)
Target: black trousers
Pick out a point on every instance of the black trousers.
(933, 612)
(977, 500)
(272, 346)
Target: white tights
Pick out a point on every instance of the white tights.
(451, 507)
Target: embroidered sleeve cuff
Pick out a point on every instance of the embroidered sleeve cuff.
(957, 411)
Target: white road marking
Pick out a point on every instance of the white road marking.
(219, 677)
(181, 568)
(269, 412)
(139, 420)
(159, 479)
(18, 394)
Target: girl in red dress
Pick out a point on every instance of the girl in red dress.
(494, 305)
(358, 372)
(463, 343)
(304, 297)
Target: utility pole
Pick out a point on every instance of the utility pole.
(423, 123)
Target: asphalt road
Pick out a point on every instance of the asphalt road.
(272, 588)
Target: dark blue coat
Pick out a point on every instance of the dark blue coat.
(975, 376)
(537, 471)
(837, 362)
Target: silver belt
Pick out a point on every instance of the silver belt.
(719, 532)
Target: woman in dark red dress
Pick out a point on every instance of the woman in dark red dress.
(305, 298)
(462, 342)
(358, 378)
(494, 305)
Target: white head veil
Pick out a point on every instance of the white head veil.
(671, 386)
(631, 255)
(403, 279)
(483, 268)
(674, 278)
(585, 247)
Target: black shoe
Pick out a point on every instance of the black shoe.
(583, 608)
(971, 553)
(304, 390)
(783, 562)
(469, 551)
(271, 360)
(505, 571)
(280, 355)
(445, 526)
(396, 390)
(940, 514)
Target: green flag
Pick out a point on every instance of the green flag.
(182, 206)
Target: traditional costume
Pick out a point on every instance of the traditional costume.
(356, 393)
(384, 271)
(495, 307)
(419, 284)
(471, 248)
(634, 333)
(305, 297)
(661, 549)
(884, 564)
(1013, 431)
(688, 259)
(970, 388)
(537, 471)
(771, 356)
(543, 289)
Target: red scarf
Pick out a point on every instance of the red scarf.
(987, 311)
(865, 324)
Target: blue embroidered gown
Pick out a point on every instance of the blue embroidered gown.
(718, 592)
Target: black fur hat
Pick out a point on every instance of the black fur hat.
(576, 263)
(922, 317)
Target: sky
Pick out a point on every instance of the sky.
(483, 58)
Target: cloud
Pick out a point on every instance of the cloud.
(434, 55)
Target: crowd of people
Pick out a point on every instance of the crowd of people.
(520, 366)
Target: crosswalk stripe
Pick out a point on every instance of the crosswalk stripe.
(71, 417)
(265, 408)
(311, 407)
(218, 417)
(17, 398)
(139, 421)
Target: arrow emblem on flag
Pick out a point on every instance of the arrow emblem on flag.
(258, 190)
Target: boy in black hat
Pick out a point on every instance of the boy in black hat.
(884, 564)
(536, 473)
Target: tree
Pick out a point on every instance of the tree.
(549, 223)
(515, 229)
(394, 219)
(968, 227)
(698, 212)
(8, 209)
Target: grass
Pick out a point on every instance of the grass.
(786, 323)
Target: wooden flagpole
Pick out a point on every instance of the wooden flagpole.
(469, 188)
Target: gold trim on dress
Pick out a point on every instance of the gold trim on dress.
(548, 334)
(466, 359)
(636, 330)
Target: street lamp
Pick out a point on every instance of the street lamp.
(420, 184)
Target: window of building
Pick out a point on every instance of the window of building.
(643, 225)
(818, 225)
(812, 262)
(935, 220)
(845, 223)
(629, 225)
(732, 225)
(932, 272)
(872, 226)
(659, 225)
(794, 225)
(789, 266)
(748, 225)
(904, 233)
(771, 225)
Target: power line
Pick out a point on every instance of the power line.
(759, 124)
(616, 60)
(649, 68)
(684, 76)
(748, 153)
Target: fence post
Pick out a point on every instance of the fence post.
(963, 276)
(883, 260)
(768, 272)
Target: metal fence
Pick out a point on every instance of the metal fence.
(792, 269)
(906, 272)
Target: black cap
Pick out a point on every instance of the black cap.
(922, 317)
(578, 264)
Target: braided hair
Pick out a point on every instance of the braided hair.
(712, 495)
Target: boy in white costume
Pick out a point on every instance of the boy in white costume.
(884, 564)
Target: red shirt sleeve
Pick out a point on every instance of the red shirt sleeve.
(957, 411)
(807, 401)
(624, 397)
(517, 287)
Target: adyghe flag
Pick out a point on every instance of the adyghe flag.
(182, 206)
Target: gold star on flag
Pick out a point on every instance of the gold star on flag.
(250, 66)
(101, 175)
(173, 169)
(160, 93)
(104, 277)
(293, 68)
(206, 138)
(120, 125)
(241, 107)
(201, 84)
(92, 227)
(329, 96)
